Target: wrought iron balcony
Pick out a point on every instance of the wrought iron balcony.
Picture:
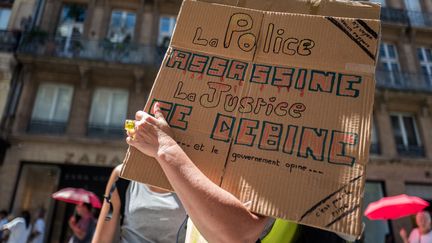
(46, 127)
(409, 18)
(404, 81)
(102, 50)
(410, 151)
(9, 40)
(105, 131)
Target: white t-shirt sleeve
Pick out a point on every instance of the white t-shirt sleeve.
(414, 236)
(12, 224)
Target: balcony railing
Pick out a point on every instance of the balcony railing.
(9, 40)
(46, 127)
(105, 131)
(403, 17)
(102, 50)
(404, 81)
(410, 151)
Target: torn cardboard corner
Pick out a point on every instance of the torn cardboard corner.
(274, 107)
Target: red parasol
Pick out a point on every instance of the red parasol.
(77, 196)
(395, 207)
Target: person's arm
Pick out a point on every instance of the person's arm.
(77, 231)
(218, 215)
(106, 230)
(12, 224)
(403, 235)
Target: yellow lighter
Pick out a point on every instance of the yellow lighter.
(129, 125)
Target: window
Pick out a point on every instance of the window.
(166, 28)
(406, 135)
(108, 112)
(374, 149)
(71, 27)
(389, 62)
(425, 58)
(375, 230)
(4, 18)
(415, 14)
(122, 26)
(51, 108)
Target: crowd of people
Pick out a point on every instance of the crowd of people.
(21, 229)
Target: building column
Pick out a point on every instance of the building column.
(138, 95)
(26, 101)
(385, 131)
(139, 23)
(427, 6)
(425, 128)
(80, 107)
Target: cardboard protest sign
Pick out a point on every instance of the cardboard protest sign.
(274, 107)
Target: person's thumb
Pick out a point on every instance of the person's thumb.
(158, 112)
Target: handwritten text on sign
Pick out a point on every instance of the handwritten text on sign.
(304, 142)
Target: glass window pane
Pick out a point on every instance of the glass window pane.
(397, 130)
(410, 131)
(391, 51)
(99, 108)
(130, 21)
(44, 102)
(164, 24)
(420, 54)
(119, 108)
(64, 101)
(424, 69)
(122, 26)
(382, 51)
(429, 55)
(4, 18)
(395, 67)
(71, 20)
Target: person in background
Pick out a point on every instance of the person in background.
(38, 229)
(18, 229)
(140, 213)
(423, 232)
(3, 221)
(84, 227)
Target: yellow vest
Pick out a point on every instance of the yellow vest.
(282, 232)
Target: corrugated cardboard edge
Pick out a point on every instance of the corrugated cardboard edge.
(335, 8)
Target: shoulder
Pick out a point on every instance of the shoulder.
(117, 170)
(414, 234)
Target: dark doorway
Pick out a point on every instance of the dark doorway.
(88, 177)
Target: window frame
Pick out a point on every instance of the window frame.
(124, 14)
(386, 60)
(172, 23)
(425, 63)
(54, 103)
(109, 108)
(400, 116)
